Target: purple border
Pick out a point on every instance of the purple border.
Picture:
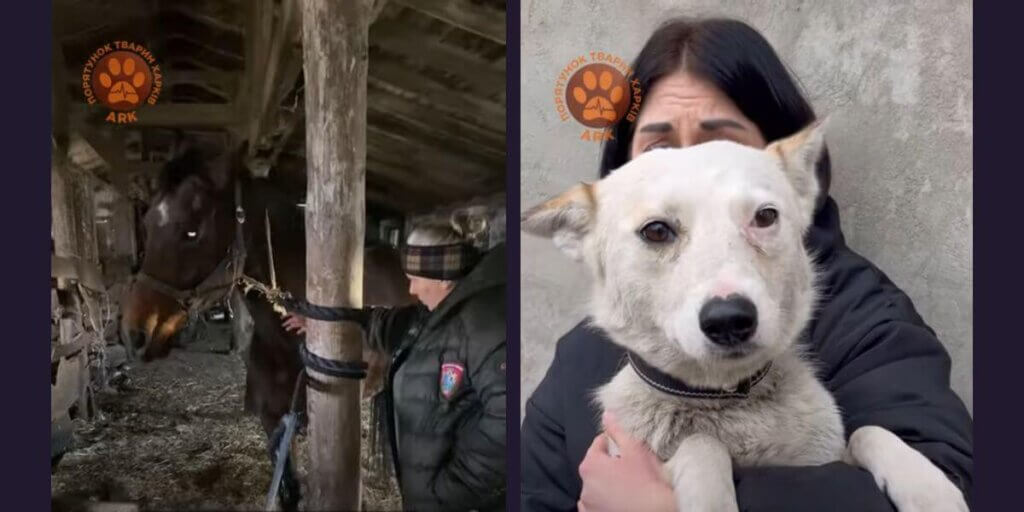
(998, 279)
(997, 267)
(26, 218)
(512, 12)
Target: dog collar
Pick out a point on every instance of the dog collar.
(673, 386)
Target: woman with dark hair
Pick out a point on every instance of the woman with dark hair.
(718, 79)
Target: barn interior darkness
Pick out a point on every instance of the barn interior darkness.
(171, 434)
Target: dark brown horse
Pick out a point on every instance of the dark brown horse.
(207, 218)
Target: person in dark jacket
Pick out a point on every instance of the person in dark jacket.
(442, 410)
(720, 79)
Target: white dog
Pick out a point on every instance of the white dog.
(701, 274)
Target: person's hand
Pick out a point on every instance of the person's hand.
(294, 323)
(632, 481)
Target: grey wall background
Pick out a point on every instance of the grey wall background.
(896, 80)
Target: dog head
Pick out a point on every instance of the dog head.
(697, 253)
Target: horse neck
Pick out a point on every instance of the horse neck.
(265, 203)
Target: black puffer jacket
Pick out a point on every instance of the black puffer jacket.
(881, 362)
(450, 435)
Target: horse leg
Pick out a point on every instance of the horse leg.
(272, 372)
(270, 399)
(289, 491)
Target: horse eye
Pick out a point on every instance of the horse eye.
(191, 236)
(657, 232)
(765, 217)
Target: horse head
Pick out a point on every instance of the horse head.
(190, 229)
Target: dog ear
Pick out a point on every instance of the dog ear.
(565, 219)
(799, 154)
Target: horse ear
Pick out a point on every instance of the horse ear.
(187, 159)
(222, 170)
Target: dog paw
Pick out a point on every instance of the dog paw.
(919, 491)
(701, 475)
(906, 476)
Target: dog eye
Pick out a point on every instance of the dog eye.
(657, 232)
(765, 217)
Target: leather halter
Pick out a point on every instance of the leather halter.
(223, 277)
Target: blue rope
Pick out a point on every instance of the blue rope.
(344, 369)
(290, 422)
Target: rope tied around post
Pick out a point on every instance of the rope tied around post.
(285, 432)
(283, 301)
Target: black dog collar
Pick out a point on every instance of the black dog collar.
(673, 386)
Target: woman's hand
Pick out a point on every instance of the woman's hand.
(632, 481)
(294, 323)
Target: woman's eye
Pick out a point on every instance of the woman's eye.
(765, 217)
(656, 145)
(657, 232)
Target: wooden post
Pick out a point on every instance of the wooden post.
(62, 217)
(85, 226)
(62, 231)
(335, 46)
(85, 213)
(67, 243)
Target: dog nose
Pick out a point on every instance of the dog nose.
(729, 321)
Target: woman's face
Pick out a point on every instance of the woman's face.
(682, 110)
(429, 291)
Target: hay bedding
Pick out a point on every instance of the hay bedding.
(178, 439)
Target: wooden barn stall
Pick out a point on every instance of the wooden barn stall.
(171, 434)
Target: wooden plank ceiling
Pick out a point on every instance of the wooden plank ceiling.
(232, 70)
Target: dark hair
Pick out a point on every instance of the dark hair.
(736, 59)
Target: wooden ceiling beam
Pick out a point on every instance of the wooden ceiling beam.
(378, 168)
(443, 141)
(426, 50)
(439, 166)
(202, 18)
(480, 20)
(217, 51)
(423, 118)
(470, 108)
(280, 67)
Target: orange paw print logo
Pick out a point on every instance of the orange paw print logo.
(596, 95)
(598, 106)
(121, 90)
(122, 81)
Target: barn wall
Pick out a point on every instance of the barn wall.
(896, 80)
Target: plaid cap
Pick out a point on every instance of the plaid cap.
(442, 262)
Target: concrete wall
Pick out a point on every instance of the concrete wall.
(896, 79)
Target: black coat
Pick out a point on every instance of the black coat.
(450, 441)
(878, 358)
